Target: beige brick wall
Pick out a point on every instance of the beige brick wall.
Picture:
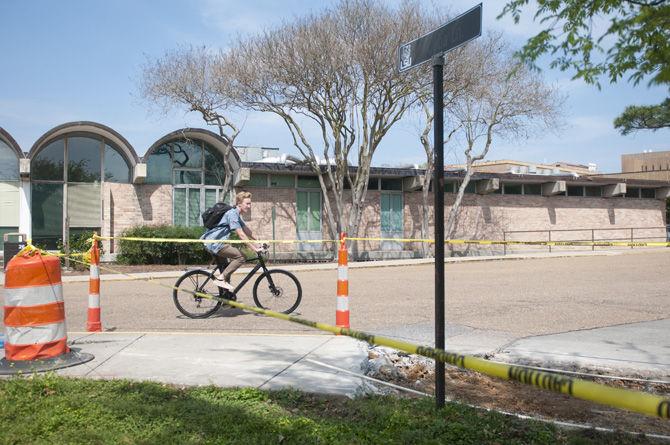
(260, 218)
(127, 205)
(482, 216)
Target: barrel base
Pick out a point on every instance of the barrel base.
(72, 358)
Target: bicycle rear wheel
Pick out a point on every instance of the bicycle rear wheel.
(277, 290)
(195, 306)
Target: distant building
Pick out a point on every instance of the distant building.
(529, 168)
(653, 165)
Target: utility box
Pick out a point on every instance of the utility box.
(13, 247)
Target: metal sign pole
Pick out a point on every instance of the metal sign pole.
(433, 46)
(438, 189)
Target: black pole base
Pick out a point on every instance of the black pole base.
(72, 358)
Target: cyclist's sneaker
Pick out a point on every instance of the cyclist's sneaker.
(223, 284)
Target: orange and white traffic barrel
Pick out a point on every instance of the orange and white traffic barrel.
(93, 323)
(34, 309)
(35, 334)
(342, 313)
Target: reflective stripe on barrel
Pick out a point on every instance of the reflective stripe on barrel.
(34, 310)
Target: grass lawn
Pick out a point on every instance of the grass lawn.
(51, 409)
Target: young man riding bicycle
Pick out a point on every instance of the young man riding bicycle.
(231, 223)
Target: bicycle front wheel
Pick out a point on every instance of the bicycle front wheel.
(196, 306)
(277, 290)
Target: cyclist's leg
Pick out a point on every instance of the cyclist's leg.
(235, 257)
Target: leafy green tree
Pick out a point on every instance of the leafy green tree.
(650, 117)
(636, 40)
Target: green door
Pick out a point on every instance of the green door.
(391, 220)
(308, 205)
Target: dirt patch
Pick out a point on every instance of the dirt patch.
(476, 389)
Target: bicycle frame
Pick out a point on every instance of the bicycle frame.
(222, 263)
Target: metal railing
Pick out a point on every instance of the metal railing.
(630, 235)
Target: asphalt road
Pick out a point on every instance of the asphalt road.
(516, 298)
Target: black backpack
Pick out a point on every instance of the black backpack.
(212, 216)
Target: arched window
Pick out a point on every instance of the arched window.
(90, 160)
(195, 170)
(9, 163)
(9, 190)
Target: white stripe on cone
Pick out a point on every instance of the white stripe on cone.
(33, 296)
(93, 300)
(95, 272)
(342, 273)
(30, 335)
(342, 303)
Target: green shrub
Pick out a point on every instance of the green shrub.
(79, 243)
(146, 252)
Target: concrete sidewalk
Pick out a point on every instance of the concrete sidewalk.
(335, 364)
(314, 363)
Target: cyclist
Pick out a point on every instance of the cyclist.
(231, 222)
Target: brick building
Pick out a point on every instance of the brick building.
(85, 176)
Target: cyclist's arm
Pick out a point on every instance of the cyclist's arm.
(243, 236)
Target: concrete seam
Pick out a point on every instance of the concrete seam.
(294, 362)
(113, 355)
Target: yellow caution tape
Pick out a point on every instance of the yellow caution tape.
(402, 240)
(212, 241)
(636, 401)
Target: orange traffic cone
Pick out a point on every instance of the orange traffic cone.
(35, 332)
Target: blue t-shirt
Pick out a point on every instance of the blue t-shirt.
(230, 221)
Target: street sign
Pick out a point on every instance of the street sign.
(454, 33)
(462, 29)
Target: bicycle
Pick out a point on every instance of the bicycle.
(275, 289)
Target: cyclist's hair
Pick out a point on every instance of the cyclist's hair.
(241, 197)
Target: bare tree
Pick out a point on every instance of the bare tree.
(458, 80)
(192, 79)
(334, 73)
(487, 94)
(506, 101)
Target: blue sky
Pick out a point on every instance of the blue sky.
(73, 60)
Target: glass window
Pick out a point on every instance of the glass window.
(47, 214)
(188, 177)
(48, 164)
(194, 207)
(449, 187)
(373, 184)
(308, 182)
(648, 193)
(179, 207)
(594, 191)
(470, 188)
(315, 211)
(210, 197)
(284, 181)
(83, 159)
(215, 172)
(187, 154)
(258, 180)
(532, 189)
(83, 205)
(159, 166)
(512, 189)
(9, 163)
(116, 167)
(391, 184)
(632, 192)
(575, 190)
